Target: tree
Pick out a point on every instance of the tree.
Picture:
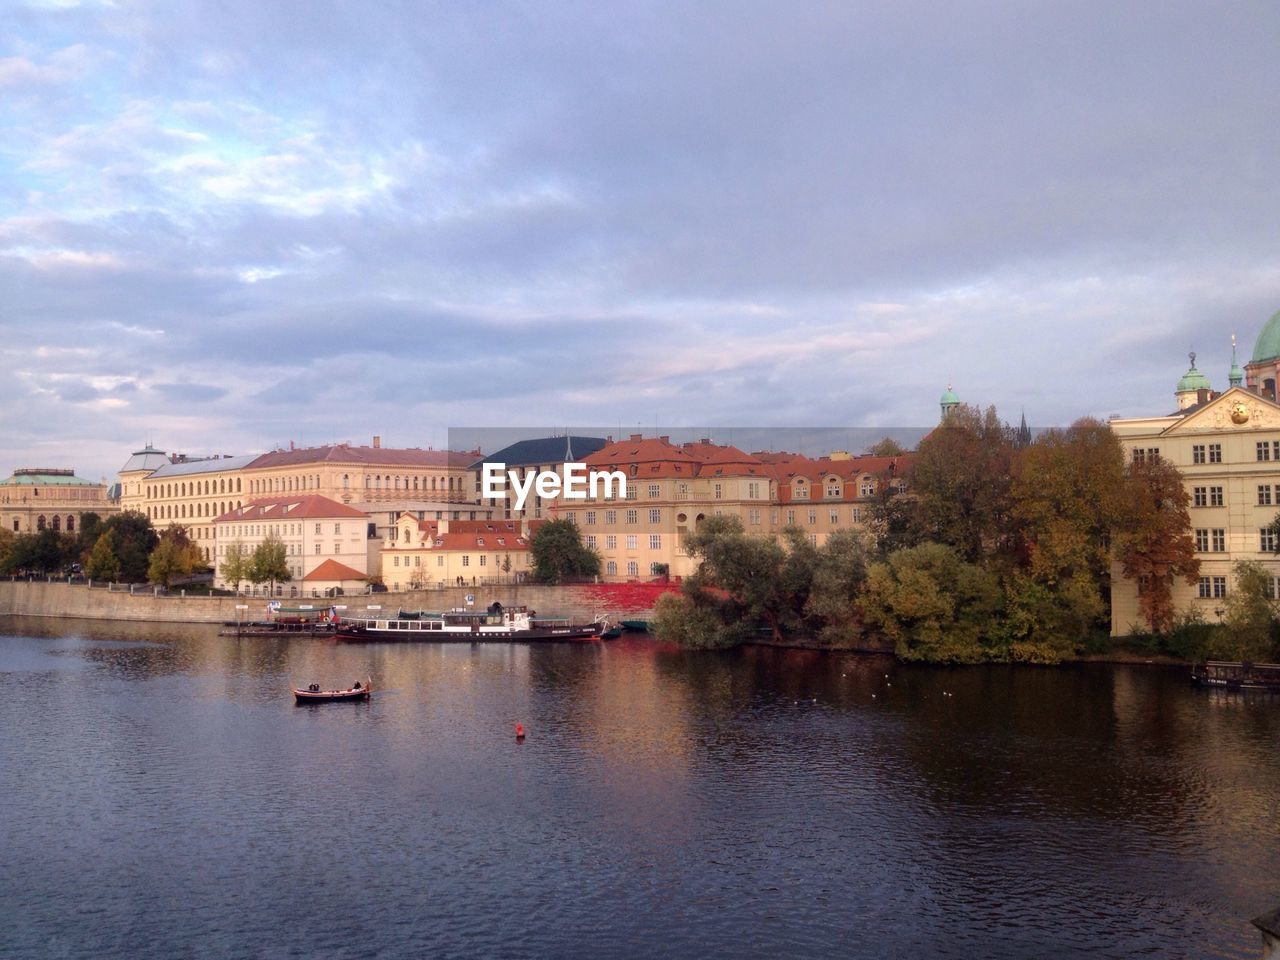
(1249, 624)
(835, 592)
(1154, 544)
(961, 480)
(235, 565)
(751, 572)
(679, 618)
(559, 553)
(42, 552)
(269, 562)
(506, 563)
(934, 605)
(174, 557)
(135, 538)
(102, 562)
(887, 447)
(87, 537)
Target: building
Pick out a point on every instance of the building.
(326, 542)
(428, 553)
(1227, 447)
(533, 456)
(192, 491)
(38, 498)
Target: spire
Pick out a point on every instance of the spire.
(568, 448)
(1024, 432)
(1236, 376)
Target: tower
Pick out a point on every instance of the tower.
(1236, 376)
(1189, 387)
(948, 402)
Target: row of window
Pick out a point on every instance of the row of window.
(1214, 540)
(1215, 588)
(466, 560)
(1265, 451)
(753, 516)
(54, 524)
(633, 569)
(633, 541)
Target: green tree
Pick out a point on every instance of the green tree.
(1249, 622)
(135, 538)
(43, 552)
(174, 557)
(887, 447)
(559, 553)
(87, 537)
(679, 618)
(102, 562)
(269, 562)
(752, 573)
(961, 479)
(934, 605)
(1153, 543)
(835, 594)
(235, 565)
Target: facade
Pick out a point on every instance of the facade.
(672, 488)
(38, 498)
(326, 542)
(426, 553)
(1227, 447)
(535, 456)
(175, 489)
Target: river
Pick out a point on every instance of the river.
(164, 797)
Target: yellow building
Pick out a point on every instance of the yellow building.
(192, 492)
(428, 553)
(1227, 447)
(38, 498)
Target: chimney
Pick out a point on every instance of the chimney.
(637, 436)
(665, 439)
(377, 442)
(1202, 395)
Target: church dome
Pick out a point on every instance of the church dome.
(949, 396)
(1268, 345)
(1193, 380)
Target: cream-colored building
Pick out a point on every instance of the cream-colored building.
(325, 542)
(426, 553)
(38, 498)
(192, 492)
(1227, 447)
(672, 488)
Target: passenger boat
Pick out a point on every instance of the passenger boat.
(1223, 675)
(497, 624)
(313, 693)
(309, 620)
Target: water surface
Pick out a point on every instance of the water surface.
(163, 797)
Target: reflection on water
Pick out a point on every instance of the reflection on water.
(164, 797)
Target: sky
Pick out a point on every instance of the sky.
(226, 226)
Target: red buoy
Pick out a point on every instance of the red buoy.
(519, 731)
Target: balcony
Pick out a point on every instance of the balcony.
(693, 495)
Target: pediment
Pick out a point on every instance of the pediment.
(1235, 410)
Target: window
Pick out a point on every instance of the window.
(1205, 588)
(856, 514)
(611, 542)
(395, 561)
(1202, 540)
(1215, 453)
(1149, 455)
(1219, 540)
(591, 541)
(633, 516)
(719, 491)
(655, 491)
(591, 518)
(1268, 449)
(611, 568)
(337, 529)
(1267, 540)
(610, 517)
(1219, 587)
(655, 516)
(813, 517)
(440, 560)
(1200, 496)
(1273, 588)
(1215, 497)
(754, 517)
(631, 491)
(633, 569)
(835, 518)
(833, 490)
(1264, 494)
(571, 517)
(799, 491)
(317, 549)
(655, 541)
(791, 518)
(632, 541)
(773, 518)
(466, 559)
(483, 558)
(1197, 453)
(317, 528)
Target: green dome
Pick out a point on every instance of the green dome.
(1193, 380)
(949, 397)
(1268, 345)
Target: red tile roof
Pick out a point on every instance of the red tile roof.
(651, 458)
(300, 507)
(333, 570)
(366, 456)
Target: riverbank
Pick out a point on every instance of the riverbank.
(99, 602)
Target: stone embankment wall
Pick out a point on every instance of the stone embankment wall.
(61, 599)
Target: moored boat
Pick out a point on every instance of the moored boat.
(313, 693)
(498, 624)
(1226, 675)
(636, 626)
(305, 619)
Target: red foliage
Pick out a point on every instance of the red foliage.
(626, 597)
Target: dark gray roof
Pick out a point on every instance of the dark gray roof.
(149, 458)
(211, 465)
(548, 450)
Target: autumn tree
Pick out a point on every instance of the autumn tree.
(934, 605)
(102, 562)
(886, 447)
(269, 562)
(1249, 615)
(1153, 543)
(174, 557)
(961, 483)
(135, 538)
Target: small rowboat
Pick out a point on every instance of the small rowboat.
(314, 694)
